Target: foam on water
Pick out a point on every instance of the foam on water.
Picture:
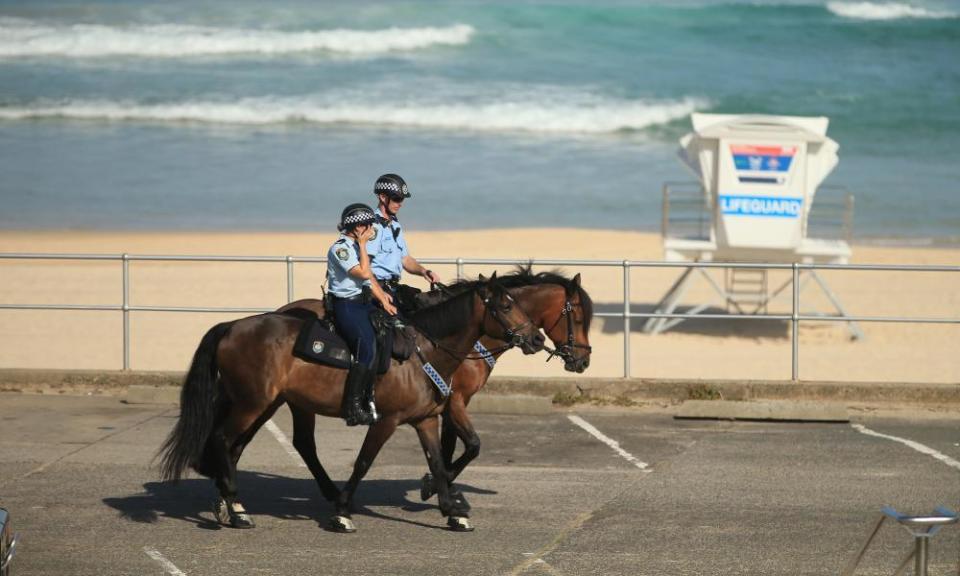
(19, 38)
(99, 99)
(525, 115)
(877, 11)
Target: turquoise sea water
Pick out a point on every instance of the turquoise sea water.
(272, 116)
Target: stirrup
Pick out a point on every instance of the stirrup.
(359, 417)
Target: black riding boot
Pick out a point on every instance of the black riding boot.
(354, 393)
(370, 378)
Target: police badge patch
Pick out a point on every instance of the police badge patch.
(342, 254)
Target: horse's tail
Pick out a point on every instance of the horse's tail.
(185, 444)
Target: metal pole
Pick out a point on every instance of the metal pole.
(920, 558)
(289, 279)
(459, 268)
(126, 311)
(794, 323)
(626, 318)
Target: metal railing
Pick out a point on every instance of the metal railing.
(795, 317)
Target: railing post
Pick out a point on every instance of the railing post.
(459, 268)
(126, 311)
(289, 279)
(626, 318)
(794, 324)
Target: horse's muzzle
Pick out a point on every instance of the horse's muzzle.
(577, 365)
(533, 345)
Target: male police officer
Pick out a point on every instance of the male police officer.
(388, 248)
(350, 284)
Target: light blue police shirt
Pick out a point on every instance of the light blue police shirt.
(343, 255)
(387, 249)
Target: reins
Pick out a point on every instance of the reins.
(509, 332)
(563, 351)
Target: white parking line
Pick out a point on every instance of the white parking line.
(282, 439)
(287, 445)
(167, 565)
(608, 441)
(923, 449)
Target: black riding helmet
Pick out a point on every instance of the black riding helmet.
(392, 185)
(355, 215)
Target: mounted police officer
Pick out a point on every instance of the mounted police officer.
(388, 249)
(351, 288)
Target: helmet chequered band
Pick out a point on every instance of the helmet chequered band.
(384, 186)
(359, 217)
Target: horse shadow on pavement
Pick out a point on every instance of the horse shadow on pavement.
(263, 494)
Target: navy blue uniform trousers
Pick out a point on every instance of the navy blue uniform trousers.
(353, 323)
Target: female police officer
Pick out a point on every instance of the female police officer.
(351, 283)
(388, 247)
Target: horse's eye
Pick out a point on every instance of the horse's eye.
(507, 307)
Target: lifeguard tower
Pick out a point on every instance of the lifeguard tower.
(758, 178)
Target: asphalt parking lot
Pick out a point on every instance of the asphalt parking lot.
(648, 495)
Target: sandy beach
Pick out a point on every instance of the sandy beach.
(695, 349)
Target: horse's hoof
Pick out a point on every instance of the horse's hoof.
(426, 487)
(220, 512)
(241, 520)
(459, 524)
(342, 524)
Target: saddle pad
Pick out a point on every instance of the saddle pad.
(317, 344)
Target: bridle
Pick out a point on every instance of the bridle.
(513, 335)
(565, 350)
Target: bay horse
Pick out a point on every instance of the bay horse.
(557, 304)
(244, 370)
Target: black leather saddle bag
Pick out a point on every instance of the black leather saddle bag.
(316, 343)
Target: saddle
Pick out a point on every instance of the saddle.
(318, 341)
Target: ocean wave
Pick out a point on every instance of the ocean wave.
(892, 11)
(598, 117)
(22, 38)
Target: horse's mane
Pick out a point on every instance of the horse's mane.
(524, 276)
(446, 317)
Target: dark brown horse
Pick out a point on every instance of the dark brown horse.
(557, 304)
(554, 303)
(244, 370)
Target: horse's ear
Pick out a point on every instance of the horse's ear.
(576, 280)
(494, 277)
(481, 277)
